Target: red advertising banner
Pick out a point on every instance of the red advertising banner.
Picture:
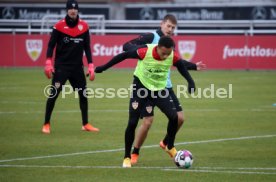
(105, 47)
(217, 51)
(210, 49)
(7, 50)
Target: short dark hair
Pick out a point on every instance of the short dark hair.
(166, 41)
(171, 18)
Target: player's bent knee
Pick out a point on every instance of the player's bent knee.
(173, 117)
(181, 117)
(147, 126)
(147, 121)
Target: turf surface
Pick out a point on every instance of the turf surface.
(232, 139)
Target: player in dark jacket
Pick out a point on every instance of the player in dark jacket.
(167, 28)
(70, 37)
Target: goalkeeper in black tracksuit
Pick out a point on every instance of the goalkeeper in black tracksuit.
(70, 37)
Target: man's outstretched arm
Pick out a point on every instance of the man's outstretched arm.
(138, 42)
(194, 66)
(117, 59)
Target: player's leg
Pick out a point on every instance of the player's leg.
(167, 107)
(178, 108)
(147, 115)
(136, 103)
(78, 81)
(59, 79)
(143, 131)
(180, 115)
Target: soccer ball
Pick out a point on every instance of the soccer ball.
(183, 159)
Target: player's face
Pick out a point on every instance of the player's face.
(167, 27)
(73, 13)
(164, 52)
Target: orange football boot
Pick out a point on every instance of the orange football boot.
(89, 127)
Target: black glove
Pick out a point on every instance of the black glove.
(191, 88)
(99, 69)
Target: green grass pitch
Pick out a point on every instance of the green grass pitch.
(232, 139)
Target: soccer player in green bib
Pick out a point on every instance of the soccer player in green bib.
(167, 28)
(149, 85)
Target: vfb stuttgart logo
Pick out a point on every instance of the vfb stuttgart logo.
(34, 48)
(187, 49)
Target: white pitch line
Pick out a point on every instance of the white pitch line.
(216, 171)
(149, 146)
(154, 168)
(61, 155)
(122, 110)
(20, 102)
(85, 167)
(67, 111)
(139, 167)
(72, 167)
(238, 168)
(217, 140)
